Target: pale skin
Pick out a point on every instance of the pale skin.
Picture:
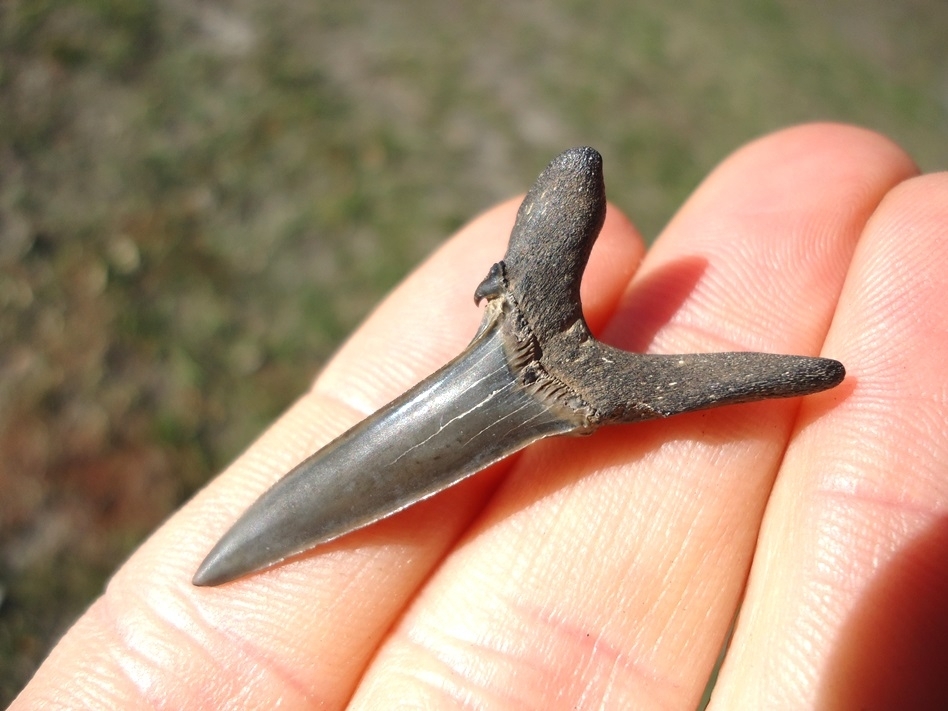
(605, 572)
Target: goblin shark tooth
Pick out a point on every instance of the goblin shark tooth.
(533, 370)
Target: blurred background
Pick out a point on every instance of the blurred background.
(199, 199)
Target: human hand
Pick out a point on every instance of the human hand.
(605, 571)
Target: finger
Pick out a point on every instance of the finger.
(606, 571)
(846, 603)
(301, 633)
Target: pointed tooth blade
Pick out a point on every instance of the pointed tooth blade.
(463, 418)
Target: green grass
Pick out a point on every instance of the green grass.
(198, 204)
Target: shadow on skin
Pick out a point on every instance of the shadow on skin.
(893, 651)
(652, 302)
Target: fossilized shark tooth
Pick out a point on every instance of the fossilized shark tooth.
(533, 370)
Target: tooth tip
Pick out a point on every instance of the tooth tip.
(232, 558)
(213, 571)
(200, 580)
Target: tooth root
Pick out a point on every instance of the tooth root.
(625, 387)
